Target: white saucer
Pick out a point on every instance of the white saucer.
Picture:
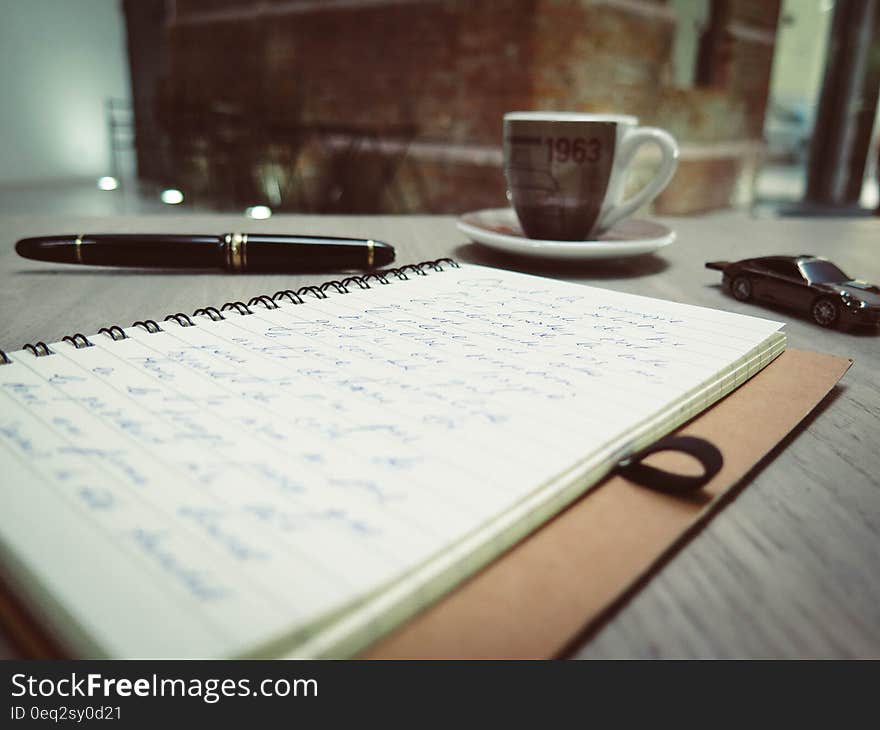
(499, 228)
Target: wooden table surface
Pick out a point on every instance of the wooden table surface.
(791, 568)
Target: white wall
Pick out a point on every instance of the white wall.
(59, 60)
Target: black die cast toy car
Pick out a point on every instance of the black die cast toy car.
(807, 283)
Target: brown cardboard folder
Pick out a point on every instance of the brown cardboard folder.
(537, 598)
(540, 595)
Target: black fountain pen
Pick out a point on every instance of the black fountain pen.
(238, 252)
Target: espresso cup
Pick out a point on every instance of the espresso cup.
(566, 171)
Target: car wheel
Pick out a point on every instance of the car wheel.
(825, 312)
(741, 288)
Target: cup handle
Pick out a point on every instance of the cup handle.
(628, 148)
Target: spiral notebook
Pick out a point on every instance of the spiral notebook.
(298, 474)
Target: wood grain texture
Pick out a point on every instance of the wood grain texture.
(791, 568)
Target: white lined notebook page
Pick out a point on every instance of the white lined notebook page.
(209, 490)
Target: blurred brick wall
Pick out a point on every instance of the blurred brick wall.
(408, 95)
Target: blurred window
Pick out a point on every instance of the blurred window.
(795, 84)
(691, 17)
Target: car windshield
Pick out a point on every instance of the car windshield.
(823, 272)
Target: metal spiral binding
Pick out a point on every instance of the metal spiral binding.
(78, 340)
(336, 285)
(316, 290)
(435, 265)
(239, 307)
(39, 349)
(295, 296)
(149, 325)
(267, 301)
(377, 275)
(211, 312)
(359, 280)
(182, 319)
(114, 332)
(291, 295)
(415, 268)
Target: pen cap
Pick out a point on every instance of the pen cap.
(268, 253)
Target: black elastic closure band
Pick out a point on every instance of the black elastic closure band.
(664, 481)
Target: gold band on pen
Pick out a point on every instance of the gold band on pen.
(77, 244)
(371, 253)
(236, 251)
